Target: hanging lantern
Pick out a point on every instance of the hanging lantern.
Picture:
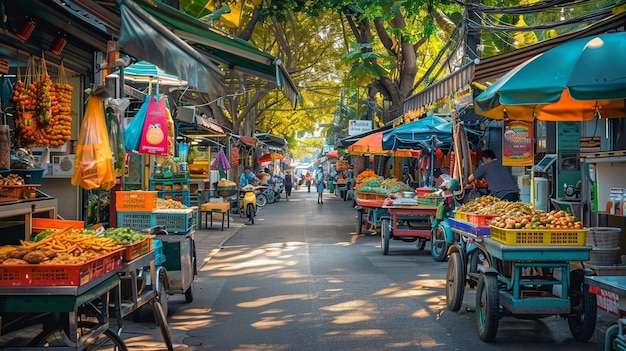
(58, 45)
(26, 31)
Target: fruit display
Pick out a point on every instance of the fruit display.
(11, 179)
(481, 204)
(537, 220)
(163, 204)
(364, 177)
(42, 108)
(226, 182)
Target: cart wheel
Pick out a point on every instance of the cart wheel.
(108, 340)
(438, 243)
(160, 316)
(487, 307)
(420, 244)
(583, 324)
(250, 213)
(455, 279)
(385, 233)
(261, 200)
(359, 221)
(189, 294)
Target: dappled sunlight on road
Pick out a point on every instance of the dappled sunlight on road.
(273, 299)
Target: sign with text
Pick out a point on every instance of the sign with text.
(517, 143)
(356, 127)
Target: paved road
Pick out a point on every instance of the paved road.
(301, 279)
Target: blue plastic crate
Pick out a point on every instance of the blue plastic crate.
(469, 227)
(159, 257)
(136, 220)
(176, 221)
(30, 176)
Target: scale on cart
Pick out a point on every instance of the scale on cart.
(546, 162)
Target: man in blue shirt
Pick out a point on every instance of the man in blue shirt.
(247, 177)
(501, 183)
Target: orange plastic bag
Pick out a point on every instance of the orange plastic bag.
(93, 168)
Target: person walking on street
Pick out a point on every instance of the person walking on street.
(308, 181)
(288, 184)
(501, 183)
(319, 183)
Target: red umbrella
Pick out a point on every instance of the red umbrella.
(333, 154)
(270, 157)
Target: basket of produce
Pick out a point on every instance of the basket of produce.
(429, 200)
(479, 219)
(225, 188)
(538, 229)
(65, 257)
(134, 243)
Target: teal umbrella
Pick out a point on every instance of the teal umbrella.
(145, 72)
(570, 82)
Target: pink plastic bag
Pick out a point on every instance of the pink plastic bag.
(154, 135)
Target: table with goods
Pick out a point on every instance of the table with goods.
(59, 289)
(173, 224)
(520, 261)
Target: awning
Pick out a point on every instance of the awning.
(172, 54)
(232, 52)
(494, 67)
(445, 87)
(272, 141)
(345, 142)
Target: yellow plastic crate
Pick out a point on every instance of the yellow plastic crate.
(543, 237)
(461, 216)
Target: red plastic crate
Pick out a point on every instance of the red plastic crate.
(60, 274)
(479, 219)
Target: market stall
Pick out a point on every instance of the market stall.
(520, 261)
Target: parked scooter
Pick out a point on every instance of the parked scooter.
(249, 202)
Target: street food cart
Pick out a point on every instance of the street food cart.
(409, 223)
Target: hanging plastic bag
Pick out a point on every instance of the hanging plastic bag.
(94, 162)
(154, 139)
(132, 133)
(116, 142)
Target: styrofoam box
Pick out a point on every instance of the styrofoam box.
(63, 165)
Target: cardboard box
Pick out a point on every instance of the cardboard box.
(63, 165)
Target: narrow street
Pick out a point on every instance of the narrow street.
(301, 279)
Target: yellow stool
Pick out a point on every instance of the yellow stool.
(215, 207)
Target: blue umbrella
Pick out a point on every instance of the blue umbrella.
(424, 134)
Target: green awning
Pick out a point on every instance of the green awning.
(234, 53)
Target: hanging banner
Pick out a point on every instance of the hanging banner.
(517, 143)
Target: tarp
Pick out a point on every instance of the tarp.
(172, 54)
(234, 53)
(424, 134)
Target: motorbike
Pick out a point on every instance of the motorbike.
(250, 199)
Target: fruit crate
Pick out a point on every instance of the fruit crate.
(41, 224)
(30, 176)
(136, 220)
(177, 221)
(461, 216)
(479, 219)
(429, 200)
(137, 249)
(371, 196)
(60, 274)
(17, 192)
(182, 196)
(171, 185)
(136, 201)
(543, 237)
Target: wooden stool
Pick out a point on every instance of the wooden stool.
(215, 207)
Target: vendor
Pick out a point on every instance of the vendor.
(501, 183)
(247, 177)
